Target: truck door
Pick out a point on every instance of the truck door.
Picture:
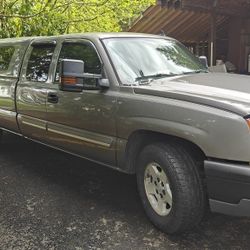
(11, 55)
(82, 123)
(32, 89)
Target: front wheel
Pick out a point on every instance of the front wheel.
(170, 187)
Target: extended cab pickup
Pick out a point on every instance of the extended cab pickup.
(141, 104)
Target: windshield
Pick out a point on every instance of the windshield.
(140, 59)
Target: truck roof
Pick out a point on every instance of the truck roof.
(16, 40)
(86, 35)
(111, 34)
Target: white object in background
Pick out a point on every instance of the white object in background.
(218, 68)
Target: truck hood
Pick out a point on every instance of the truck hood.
(229, 92)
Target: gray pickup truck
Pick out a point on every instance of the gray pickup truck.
(141, 104)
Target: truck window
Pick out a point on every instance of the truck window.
(80, 51)
(39, 63)
(10, 58)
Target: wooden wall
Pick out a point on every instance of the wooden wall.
(239, 43)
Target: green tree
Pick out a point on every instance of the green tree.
(52, 17)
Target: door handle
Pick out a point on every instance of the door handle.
(53, 98)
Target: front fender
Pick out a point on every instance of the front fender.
(218, 133)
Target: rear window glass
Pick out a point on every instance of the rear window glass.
(10, 59)
(39, 63)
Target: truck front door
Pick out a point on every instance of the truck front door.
(82, 123)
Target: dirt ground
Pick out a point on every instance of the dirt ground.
(50, 200)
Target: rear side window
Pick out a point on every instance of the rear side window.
(10, 60)
(39, 63)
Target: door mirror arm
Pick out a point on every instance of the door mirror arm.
(104, 83)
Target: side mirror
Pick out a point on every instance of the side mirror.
(72, 77)
(70, 71)
(204, 61)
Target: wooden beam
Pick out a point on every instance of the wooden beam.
(224, 7)
(169, 3)
(191, 24)
(143, 23)
(166, 15)
(173, 25)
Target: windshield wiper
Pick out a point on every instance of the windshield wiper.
(141, 78)
(195, 72)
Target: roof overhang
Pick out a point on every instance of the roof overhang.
(189, 20)
(223, 7)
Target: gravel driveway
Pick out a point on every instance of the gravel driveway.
(50, 200)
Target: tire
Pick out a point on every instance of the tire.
(170, 187)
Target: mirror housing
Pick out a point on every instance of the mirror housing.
(72, 77)
(204, 61)
(70, 70)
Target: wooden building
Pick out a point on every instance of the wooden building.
(219, 29)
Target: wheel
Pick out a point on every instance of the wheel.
(170, 187)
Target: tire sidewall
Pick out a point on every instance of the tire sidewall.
(172, 222)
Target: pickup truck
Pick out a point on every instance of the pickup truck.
(141, 104)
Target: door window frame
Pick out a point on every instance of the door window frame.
(16, 46)
(57, 52)
(33, 44)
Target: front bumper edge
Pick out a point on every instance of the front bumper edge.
(228, 186)
(240, 209)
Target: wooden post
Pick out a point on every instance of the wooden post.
(203, 49)
(212, 36)
(236, 43)
(197, 47)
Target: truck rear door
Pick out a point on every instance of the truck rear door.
(31, 94)
(11, 56)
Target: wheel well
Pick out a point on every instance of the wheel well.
(139, 139)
